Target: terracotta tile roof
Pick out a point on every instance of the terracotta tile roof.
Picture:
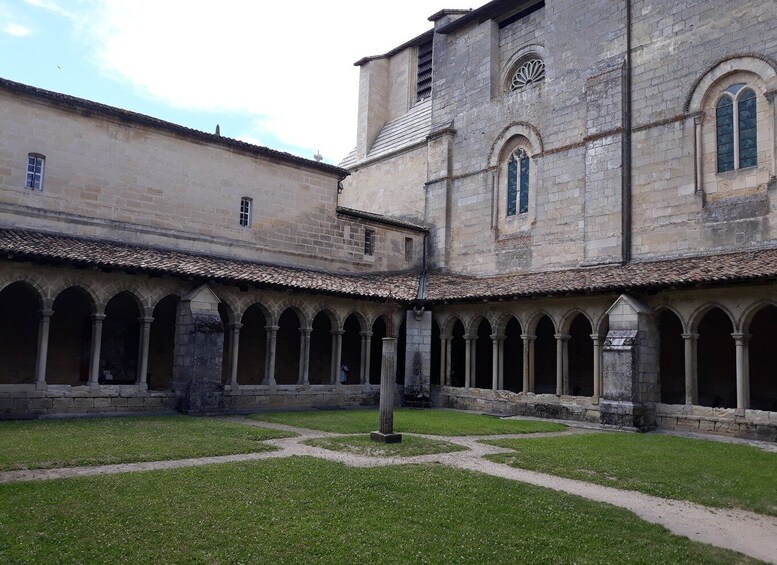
(73, 102)
(42, 247)
(379, 218)
(647, 275)
(34, 246)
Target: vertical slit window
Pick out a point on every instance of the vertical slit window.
(512, 185)
(369, 242)
(518, 183)
(246, 205)
(35, 166)
(748, 143)
(408, 249)
(523, 196)
(725, 133)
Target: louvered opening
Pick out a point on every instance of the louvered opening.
(424, 80)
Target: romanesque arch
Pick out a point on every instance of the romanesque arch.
(376, 352)
(671, 357)
(763, 359)
(70, 337)
(120, 342)
(716, 360)
(513, 356)
(580, 355)
(457, 353)
(321, 360)
(20, 304)
(287, 347)
(545, 356)
(252, 348)
(483, 356)
(161, 352)
(351, 355)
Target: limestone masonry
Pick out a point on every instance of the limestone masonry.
(558, 209)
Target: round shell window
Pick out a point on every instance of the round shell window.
(528, 73)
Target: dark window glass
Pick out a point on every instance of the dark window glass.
(748, 143)
(512, 185)
(523, 203)
(725, 134)
(369, 242)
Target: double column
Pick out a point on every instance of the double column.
(743, 371)
(337, 354)
(528, 362)
(497, 361)
(562, 364)
(269, 369)
(366, 357)
(43, 347)
(690, 341)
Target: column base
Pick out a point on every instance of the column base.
(380, 437)
(626, 414)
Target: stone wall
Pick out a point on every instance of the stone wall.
(117, 180)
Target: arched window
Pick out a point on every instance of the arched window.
(529, 72)
(518, 183)
(736, 128)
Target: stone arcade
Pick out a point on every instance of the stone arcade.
(573, 205)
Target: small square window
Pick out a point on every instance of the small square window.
(246, 205)
(369, 242)
(408, 249)
(35, 166)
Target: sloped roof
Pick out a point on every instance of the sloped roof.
(708, 270)
(637, 276)
(50, 248)
(80, 104)
(407, 130)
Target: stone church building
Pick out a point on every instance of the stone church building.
(559, 210)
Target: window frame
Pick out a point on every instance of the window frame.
(734, 95)
(33, 178)
(369, 242)
(245, 217)
(518, 182)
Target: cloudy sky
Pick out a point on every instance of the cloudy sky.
(274, 73)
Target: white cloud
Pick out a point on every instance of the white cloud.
(51, 6)
(16, 30)
(287, 67)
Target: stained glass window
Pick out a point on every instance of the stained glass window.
(748, 143)
(518, 183)
(736, 128)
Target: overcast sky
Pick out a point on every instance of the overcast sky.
(274, 73)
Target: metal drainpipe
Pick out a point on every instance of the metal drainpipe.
(626, 184)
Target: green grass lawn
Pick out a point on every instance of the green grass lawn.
(707, 472)
(40, 444)
(363, 445)
(304, 510)
(433, 422)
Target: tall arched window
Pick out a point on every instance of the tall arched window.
(518, 183)
(736, 128)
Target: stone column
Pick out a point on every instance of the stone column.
(467, 362)
(691, 376)
(97, 340)
(387, 385)
(448, 348)
(501, 383)
(443, 369)
(562, 374)
(597, 339)
(234, 354)
(366, 357)
(304, 356)
(337, 350)
(528, 362)
(743, 402)
(272, 338)
(43, 347)
(496, 369)
(145, 338)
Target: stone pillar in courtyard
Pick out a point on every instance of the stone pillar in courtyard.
(418, 355)
(199, 344)
(630, 366)
(388, 372)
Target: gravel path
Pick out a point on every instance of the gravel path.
(749, 533)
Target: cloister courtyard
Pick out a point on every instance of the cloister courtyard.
(292, 487)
